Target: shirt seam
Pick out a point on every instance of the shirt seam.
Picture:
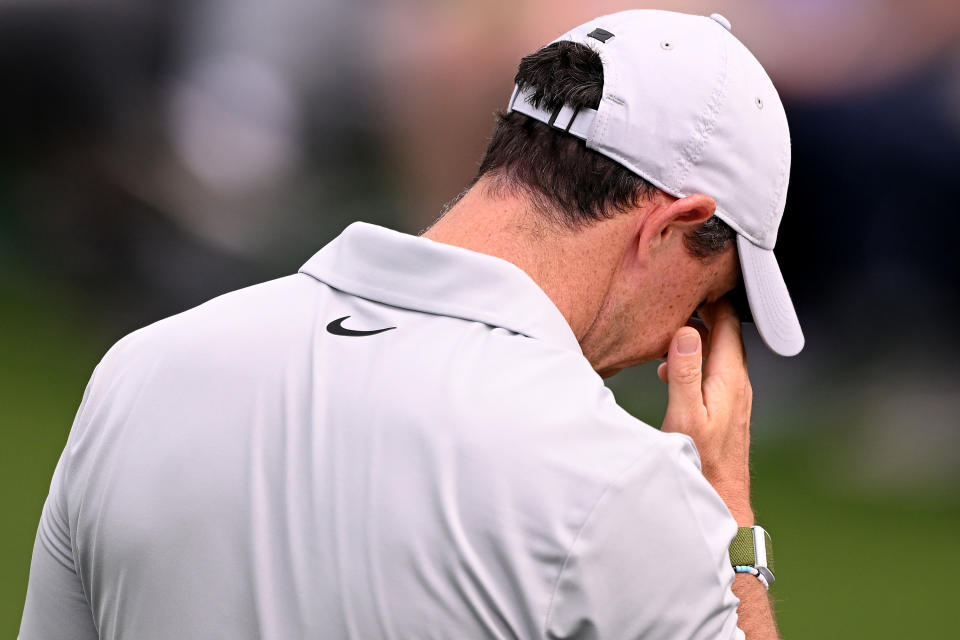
(580, 530)
(660, 449)
(88, 393)
(703, 536)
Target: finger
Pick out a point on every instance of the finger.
(684, 376)
(662, 371)
(700, 325)
(726, 343)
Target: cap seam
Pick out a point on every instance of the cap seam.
(692, 151)
(678, 193)
(611, 77)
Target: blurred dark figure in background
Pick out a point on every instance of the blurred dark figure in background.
(149, 162)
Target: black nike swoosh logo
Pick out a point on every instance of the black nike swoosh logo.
(336, 328)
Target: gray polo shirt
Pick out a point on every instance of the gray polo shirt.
(402, 440)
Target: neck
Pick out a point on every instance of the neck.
(574, 268)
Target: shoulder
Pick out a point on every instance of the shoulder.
(545, 396)
(651, 558)
(540, 422)
(638, 537)
(263, 306)
(227, 328)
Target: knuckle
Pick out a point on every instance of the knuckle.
(683, 421)
(687, 374)
(742, 386)
(739, 383)
(729, 382)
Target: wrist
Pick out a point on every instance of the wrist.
(737, 498)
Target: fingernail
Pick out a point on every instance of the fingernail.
(688, 343)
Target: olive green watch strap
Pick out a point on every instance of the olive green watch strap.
(752, 547)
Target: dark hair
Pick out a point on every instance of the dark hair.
(561, 177)
(710, 238)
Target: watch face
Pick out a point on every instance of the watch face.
(766, 573)
(768, 547)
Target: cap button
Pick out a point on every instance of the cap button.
(719, 18)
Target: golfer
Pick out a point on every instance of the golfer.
(410, 438)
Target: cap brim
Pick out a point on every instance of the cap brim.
(770, 303)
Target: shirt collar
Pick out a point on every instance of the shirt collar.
(423, 275)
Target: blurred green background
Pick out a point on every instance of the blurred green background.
(156, 154)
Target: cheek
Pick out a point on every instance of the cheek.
(671, 311)
(652, 310)
(679, 298)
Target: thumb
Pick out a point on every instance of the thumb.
(684, 377)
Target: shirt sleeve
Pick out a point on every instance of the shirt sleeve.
(651, 561)
(56, 606)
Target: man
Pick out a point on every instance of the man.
(409, 438)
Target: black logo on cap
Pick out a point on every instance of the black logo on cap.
(600, 34)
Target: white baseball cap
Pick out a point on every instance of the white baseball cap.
(687, 107)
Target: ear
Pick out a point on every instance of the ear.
(674, 219)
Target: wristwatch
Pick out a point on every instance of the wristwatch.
(752, 547)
